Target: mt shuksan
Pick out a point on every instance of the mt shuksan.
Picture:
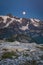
(10, 25)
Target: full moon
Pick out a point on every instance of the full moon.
(24, 13)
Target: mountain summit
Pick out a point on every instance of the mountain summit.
(21, 28)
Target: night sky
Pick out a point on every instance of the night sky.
(33, 8)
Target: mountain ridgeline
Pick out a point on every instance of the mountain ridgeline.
(21, 29)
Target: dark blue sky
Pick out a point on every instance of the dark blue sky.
(33, 8)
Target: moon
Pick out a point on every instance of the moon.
(24, 13)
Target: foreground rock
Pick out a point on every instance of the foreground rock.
(16, 53)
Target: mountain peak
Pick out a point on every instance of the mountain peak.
(5, 21)
(10, 25)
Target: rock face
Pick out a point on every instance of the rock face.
(11, 26)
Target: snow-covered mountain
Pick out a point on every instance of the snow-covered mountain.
(14, 26)
(6, 21)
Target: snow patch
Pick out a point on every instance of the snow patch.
(36, 24)
(37, 20)
(24, 27)
(4, 17)
(9, 23)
